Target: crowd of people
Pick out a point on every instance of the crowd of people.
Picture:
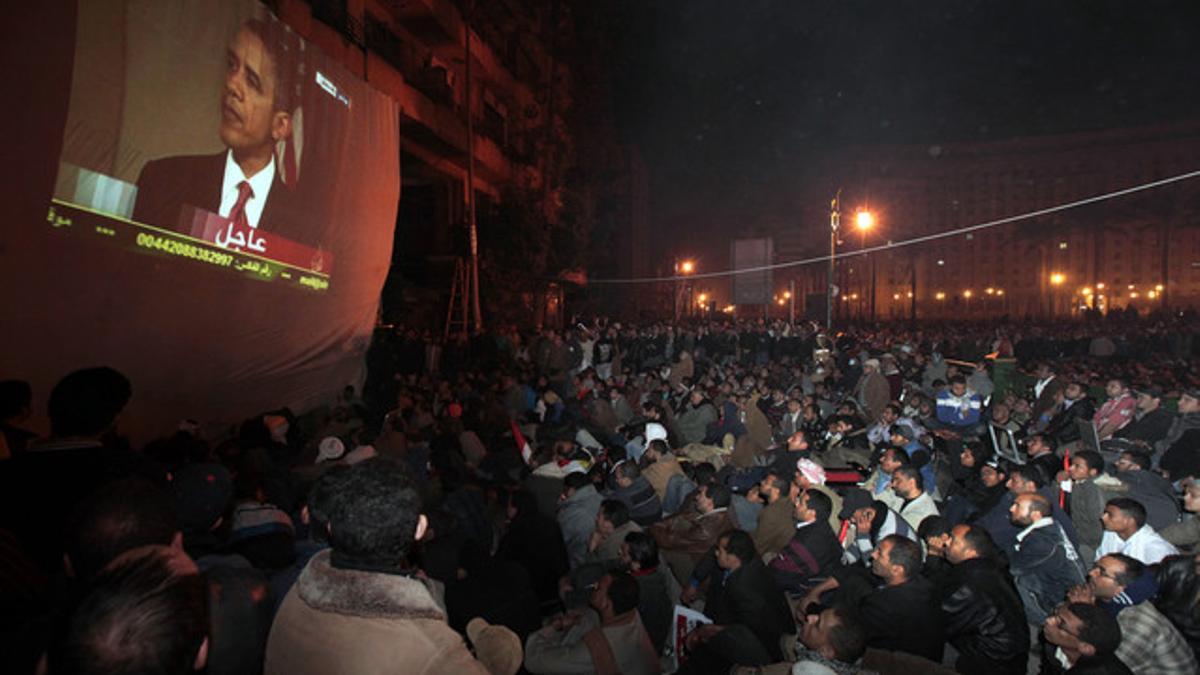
(710, 497)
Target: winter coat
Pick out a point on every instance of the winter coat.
(577, 518)
(985, 620)
(351, 621)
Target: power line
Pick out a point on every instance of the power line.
(915, 240)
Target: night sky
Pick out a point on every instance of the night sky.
(727, 101)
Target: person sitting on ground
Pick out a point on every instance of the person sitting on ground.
(613, 522)
(871, 521)
(1185, 534)
(985, 620)
(847, 443)
(1043, 563)
(637, 493)
(934, 532)
(1024, 479)
(1149, 643)
(659, 464)
(833, 640)
(749, 613)
(958, 408)
(880, 481)
(604, 552)
(1179, 596)
(658, 592)
(811, 476)
(904, 438)
(1150, 423)
(686, 537)
(1073, 405)
(776, 521)
(1117, 411)
(577, 510)
(908, 483)
(783, 460)
(1126, 532)
(534, 541)
(1176, 452)
(1040, 450)
(814, 551)
(1087, 500)
(82, 453)
(607, 639)
(359, 603)
(905, 613)
(1147, 488)
(145, 612)
(1085, 640)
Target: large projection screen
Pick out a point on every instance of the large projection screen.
(217, 224)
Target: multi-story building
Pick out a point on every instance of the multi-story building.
(1140, 249)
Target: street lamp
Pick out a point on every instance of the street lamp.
(683, 268)
(1056, 279)
(864, 220)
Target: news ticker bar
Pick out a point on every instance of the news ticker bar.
(67, 217)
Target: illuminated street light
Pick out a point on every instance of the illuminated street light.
(989, 290)
(864, 220)
(687, 267)
(999, 291)
(702, 298)
(967, 294)
(1100, 285)
(1058, 278)
(895, 296)
(1152, 294)
(1134, 294)
(940, 296)
(1087, 290)
(787, 295)
(1158, 287)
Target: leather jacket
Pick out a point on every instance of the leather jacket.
(984, 615)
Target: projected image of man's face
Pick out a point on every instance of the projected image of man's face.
(249, 122)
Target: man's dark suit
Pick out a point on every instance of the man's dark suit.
(166, 185)
(749, 597)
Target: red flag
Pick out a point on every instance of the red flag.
(522, 444)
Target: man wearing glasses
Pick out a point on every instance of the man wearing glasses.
(1085, 639)
(1122, 586)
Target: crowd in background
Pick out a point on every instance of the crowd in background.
(887, 498)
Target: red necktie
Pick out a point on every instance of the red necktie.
(238, 213)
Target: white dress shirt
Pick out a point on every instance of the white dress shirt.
(260, 185)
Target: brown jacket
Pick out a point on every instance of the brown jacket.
(660, 472)
(776, 525)
(692, 533)
(350, 621)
